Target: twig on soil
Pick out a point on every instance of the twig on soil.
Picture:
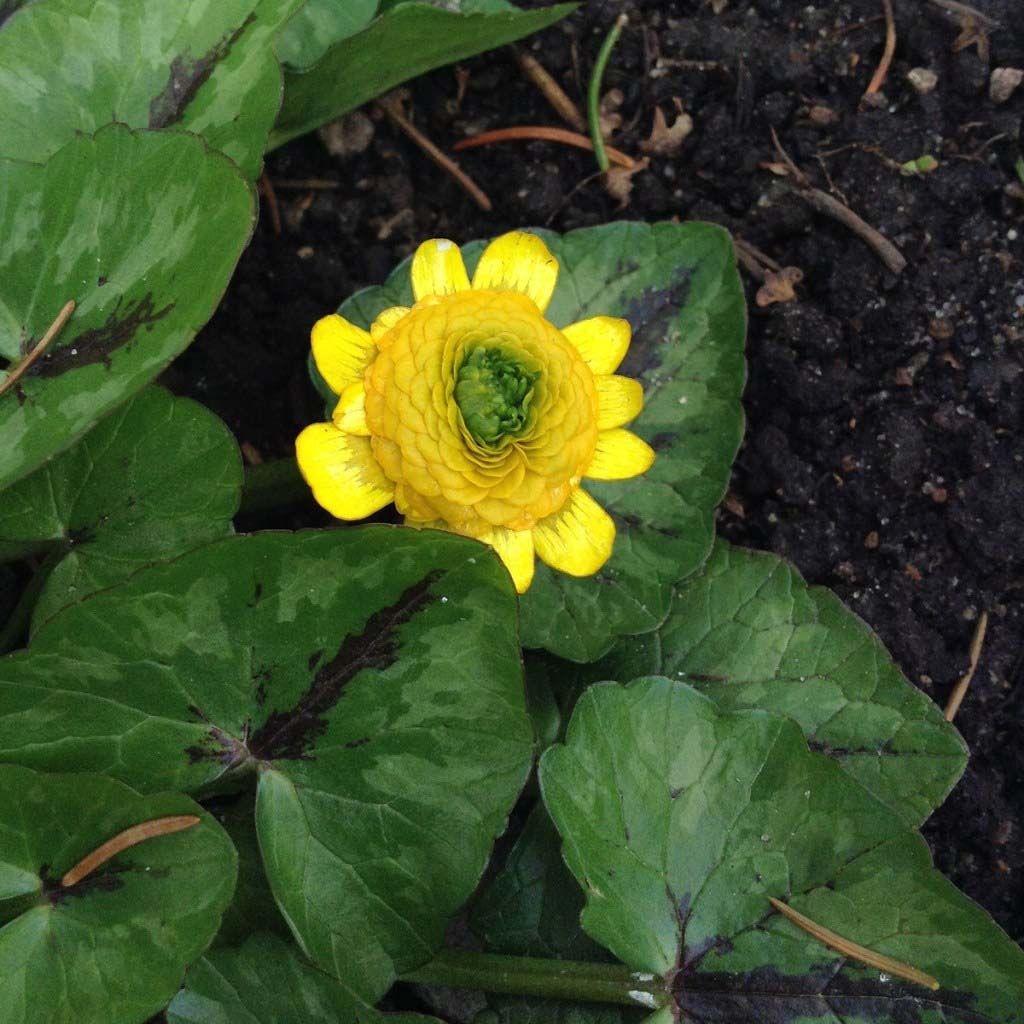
(893, 259)
(851, 949)
(41, 346)
(753, 260)
(594, 91)
(551, 90)
(546, 134)
(267, 191)
(391, 106)
(965, 11)
(305, 184)
(956, 698)
(123, 840)
(878, 78)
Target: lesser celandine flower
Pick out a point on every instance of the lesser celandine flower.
(474, 414)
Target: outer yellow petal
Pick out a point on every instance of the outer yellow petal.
(342, 472)
(341, 351)
(350, 412)
(515, 549)
(578, 539)
(437, 269)
(602, 341)
(386, 320)
(518, 262)
(619, 400)
(619, 455)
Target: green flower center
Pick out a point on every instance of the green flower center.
(493, 390)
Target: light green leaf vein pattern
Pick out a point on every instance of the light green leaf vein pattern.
(113, 948)
(207, 66)
(680, 821)
(678, 286)
(142, 230)
(750, 633)
(158, 476)
(267, 981)
(370, 678)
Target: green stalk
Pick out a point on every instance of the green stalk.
(594, 92)
(546, 979)
(273, 485)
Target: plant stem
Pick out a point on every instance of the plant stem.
(529, 976)
(594, 92)
(272, 485)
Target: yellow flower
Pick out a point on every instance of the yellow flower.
(474, 414)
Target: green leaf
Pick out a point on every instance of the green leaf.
(750, 633)
(678, 286)
(143, 231)
(113, 948)
(317, 26)
(407, 40)
(253, 908)
(159, 476)
(71, 66)
(370, 678)
(679, 821)
(268, 982)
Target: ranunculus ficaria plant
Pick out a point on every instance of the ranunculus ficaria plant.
(473, 413)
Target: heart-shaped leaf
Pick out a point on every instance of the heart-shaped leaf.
(678, 287)
(72, 66)
(142, 230)
(369, 677)
(157, 477)
(750, 633)
(406, 40)
(111, 949)
(680, 821)
(268, 982)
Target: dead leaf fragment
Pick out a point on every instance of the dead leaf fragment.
(347, 136)
(778, 286)
(618, 181)
(608, 115)
(664, 139)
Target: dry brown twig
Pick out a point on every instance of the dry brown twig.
(893, 259)
(545, 134)
(878, 78)
(551, 90)
(266, 190)
(391, 106)
(956, 698)
(39, 348)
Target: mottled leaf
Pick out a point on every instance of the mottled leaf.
(317, 26)
(750, 633)
(268, 982)
(143, 231)
(406, 40)
(70, 66)
(369, 678)
(679, 821)
(158, 476)
(113, 948)
(678, 286)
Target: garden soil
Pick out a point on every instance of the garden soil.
(883, 452)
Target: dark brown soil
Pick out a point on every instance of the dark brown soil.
(883, 452)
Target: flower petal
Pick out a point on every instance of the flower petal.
(386, 320)
(518, 262)
(602, 341)
(437, 269)
(342, 472)
(341, 351)
(619, 400)
(515, 549)
(619, 455)
(578, 539)
(350, 412)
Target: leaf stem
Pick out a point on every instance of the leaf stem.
(272, 485)
(547, 979)
(16, 627)
(594, 92)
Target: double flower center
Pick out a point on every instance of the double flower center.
(494, 388)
